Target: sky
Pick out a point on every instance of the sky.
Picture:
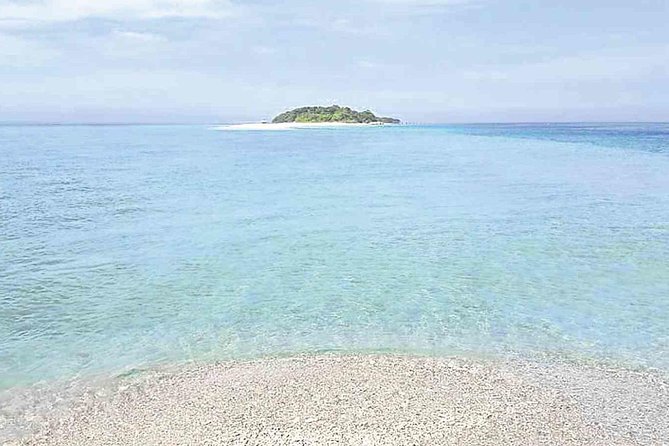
(208, 61)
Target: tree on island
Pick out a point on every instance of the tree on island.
(333, 113)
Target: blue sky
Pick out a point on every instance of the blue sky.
(420, 60)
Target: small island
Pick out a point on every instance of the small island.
(315, 117)
(333, 113)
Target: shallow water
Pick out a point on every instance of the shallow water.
(125, 246)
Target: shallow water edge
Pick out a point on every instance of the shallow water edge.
(597, 401)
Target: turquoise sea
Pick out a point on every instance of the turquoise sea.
(128, 246)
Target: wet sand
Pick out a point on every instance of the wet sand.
(369, 400)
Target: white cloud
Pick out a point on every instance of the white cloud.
(635, 63)
(69, 10)
(20, 52)
(124, 44)
(263, 50)
(138, 37)
(367, 64)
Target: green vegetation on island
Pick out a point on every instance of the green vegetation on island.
(333, 113)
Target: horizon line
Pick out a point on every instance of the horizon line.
(408, 123)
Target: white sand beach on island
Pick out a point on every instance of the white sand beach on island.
(368, 400)
(293, 125)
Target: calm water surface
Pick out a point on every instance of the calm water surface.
(125, 246)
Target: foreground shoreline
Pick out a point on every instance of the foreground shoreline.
(368, 399)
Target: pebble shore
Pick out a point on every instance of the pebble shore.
(370, 400)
